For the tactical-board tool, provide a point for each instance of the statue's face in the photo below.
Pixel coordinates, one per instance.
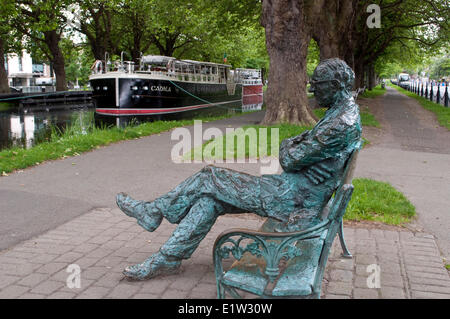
(324, 90)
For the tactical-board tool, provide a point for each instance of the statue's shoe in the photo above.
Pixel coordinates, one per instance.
(147, 218)
(154, 266)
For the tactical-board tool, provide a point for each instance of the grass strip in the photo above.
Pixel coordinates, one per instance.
(378, 201)
(370, 94)
(243, 145)
(442, 112)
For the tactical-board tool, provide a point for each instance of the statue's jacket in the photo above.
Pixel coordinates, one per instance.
(313, 164)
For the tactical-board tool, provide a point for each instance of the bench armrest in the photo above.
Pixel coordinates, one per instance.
(271, 246)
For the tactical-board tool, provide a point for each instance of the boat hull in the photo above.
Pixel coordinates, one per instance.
(141, 96)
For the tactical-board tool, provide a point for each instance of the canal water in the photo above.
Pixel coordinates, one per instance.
(25, 129)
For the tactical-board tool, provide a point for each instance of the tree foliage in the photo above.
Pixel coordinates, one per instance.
(184, 29)
(40, 24)
(411, 32)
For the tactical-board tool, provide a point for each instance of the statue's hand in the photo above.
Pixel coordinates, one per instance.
(297, 139)
(292, 142)
(318, 173)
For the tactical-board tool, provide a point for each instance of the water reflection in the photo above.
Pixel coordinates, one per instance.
(21, 130)
(252, 103)
(122, 121)
(26, 130)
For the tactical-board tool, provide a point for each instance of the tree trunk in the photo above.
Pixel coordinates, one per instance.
(97, 44)
(287, 40)
(372, 77)
(52, 39)
(98, 51)
(327, 41)
(359, 74)
(4, 86)
(333, 22)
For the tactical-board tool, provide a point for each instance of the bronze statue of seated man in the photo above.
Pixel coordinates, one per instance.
(312, 165)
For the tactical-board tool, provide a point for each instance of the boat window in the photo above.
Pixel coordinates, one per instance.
(154, 63)
(177, 67)
(221, 74)
(206, 69)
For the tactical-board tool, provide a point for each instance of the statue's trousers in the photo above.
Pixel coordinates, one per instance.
(196, 203)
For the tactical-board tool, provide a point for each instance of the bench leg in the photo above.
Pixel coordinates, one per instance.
(345, 252)
(220, 291)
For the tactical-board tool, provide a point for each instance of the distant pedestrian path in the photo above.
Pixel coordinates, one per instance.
(408, 126)
(413, 154)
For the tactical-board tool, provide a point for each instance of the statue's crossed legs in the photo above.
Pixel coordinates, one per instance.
(194, 205)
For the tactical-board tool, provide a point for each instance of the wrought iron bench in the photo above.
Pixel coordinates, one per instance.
(274, 264)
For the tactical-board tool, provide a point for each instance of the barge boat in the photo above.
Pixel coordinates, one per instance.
(162, 85)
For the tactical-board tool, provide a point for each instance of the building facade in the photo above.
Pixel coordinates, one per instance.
(24, 72)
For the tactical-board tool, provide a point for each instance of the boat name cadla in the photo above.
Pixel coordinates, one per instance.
(160, 88)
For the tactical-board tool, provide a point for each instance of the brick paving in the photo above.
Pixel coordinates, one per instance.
(104, 241)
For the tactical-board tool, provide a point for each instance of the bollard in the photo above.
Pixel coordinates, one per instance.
(446, 95)
(438, 97)
(431, 92)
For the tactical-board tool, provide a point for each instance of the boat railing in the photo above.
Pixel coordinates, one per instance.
(251, 81)
(197, 72)
(182, 76)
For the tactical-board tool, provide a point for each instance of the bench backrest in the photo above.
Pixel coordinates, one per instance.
(337, 211)
(347, 177)
(349, 169)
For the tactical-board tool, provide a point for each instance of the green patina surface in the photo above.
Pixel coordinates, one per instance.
(314, 165)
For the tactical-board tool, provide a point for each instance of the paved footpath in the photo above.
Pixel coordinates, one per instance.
(63, 212)
(413, 154)
(104, 241)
